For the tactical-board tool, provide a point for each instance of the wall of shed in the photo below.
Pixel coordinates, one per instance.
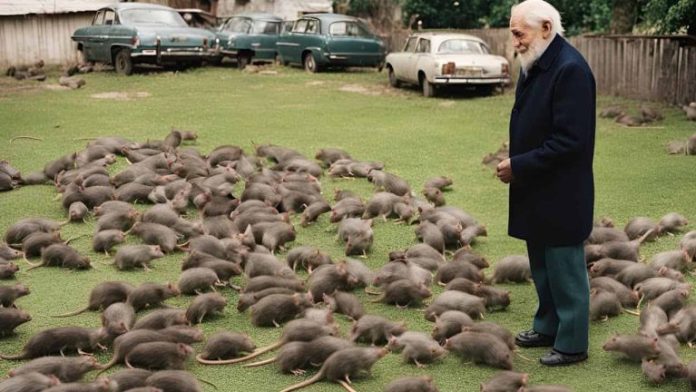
(25, 39)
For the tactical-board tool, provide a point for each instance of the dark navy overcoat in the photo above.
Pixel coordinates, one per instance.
(552, 134)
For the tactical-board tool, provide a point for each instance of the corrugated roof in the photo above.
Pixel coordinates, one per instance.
(24, 7)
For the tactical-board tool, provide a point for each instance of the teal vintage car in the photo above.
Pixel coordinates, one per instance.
(250, 37)
(126, 34)
(330, 40)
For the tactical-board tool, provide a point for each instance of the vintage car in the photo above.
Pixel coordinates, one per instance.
(432, 60)
(126, 34)
(250, 38)
(330, 40)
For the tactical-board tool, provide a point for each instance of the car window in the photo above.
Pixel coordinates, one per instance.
(423, 46)
(300, 26)
(109, 17)
(410, 44)
(138, 16)
(98, 19)
(238, 25)
(266, 27)
(460, 46)
(286, 27)
(485, 49)
(349, 29)
(313, 26)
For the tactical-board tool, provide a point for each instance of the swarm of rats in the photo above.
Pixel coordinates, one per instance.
(233, 233)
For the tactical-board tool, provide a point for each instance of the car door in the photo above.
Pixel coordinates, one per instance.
(289, 43)
(419, 59)
(107, 28)
(92, 39)
(311, 39)
(401, 61)
(266, 34)
(349, 40)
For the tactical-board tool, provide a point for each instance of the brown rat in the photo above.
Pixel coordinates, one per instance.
(404, 293)
(375, 329)
(158, 356)
(162, 318)
(417, 347)
(151, 294)
(226, 345)
(481, 348)
(204, 305)
(60, 340)
(505, 381)
(30, 382)
(66, 369)
(634, 347)
(344, 303)
(103, 295)
(278, 308)
(11, 318)
(8, 270)
(512, 269)
(8, 294)
(105, 240)
(449, 324)
(63, 256)
(196, 280)
(342, 365)
(132, 256)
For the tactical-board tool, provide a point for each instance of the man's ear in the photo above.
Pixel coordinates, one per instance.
(546, 29)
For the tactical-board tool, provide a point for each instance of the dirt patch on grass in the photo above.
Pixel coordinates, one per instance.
(315, 83)
(121, 96)
(372, 91)
(447, 104)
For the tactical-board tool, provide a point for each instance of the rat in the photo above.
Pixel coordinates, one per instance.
(204, 305)
(9, 294)
(342, 365)
(59, 340)
(131, 256)
(481, 348)
(11, 318)
(151, 295)
(158, 355)
(103, 295)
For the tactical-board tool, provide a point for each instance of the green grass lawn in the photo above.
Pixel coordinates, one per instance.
(416, 138)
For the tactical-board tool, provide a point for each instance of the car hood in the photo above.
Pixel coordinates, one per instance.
(481, 60)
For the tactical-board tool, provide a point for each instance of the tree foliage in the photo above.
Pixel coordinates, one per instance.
(618, 16)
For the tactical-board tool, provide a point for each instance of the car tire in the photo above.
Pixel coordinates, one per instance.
(310, 64)
(123, 63)
(243, 59)
(393, 81)
(428, 88)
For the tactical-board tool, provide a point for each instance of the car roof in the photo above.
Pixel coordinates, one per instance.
(128, 6)
(258, 15)
(329, 17)
(442, 36)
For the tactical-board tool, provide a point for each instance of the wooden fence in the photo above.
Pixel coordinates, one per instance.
(654, 68)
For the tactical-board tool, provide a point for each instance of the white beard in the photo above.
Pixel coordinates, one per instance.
(534, 51)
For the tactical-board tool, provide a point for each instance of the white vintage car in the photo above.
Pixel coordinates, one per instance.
(444, 59)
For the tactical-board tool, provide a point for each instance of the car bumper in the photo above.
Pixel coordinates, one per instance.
(464, 80)
(158, 55)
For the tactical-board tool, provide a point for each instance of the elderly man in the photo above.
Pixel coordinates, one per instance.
(552, 132)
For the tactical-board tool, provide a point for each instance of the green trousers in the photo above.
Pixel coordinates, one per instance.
(563, 288)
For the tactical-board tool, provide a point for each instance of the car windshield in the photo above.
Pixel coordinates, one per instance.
(461, 46)
(152, 16)
(266, 27)
(349, 29)
(238, 25)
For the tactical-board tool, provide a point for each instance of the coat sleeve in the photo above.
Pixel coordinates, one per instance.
(573, 116)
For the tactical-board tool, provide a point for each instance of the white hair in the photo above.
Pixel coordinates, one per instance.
(536, 12)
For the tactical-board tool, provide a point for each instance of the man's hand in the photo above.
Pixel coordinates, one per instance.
(504, 171)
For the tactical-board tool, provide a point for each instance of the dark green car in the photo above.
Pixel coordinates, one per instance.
(330, 40)
(250, 38)
(131, 33)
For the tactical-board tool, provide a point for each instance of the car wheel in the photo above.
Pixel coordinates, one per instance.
(123, 63)
(310, 65)
(243, 59)
(428, 88)
(393, 81)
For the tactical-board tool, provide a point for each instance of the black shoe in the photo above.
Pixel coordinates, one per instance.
(533, 338)
(555, 358)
